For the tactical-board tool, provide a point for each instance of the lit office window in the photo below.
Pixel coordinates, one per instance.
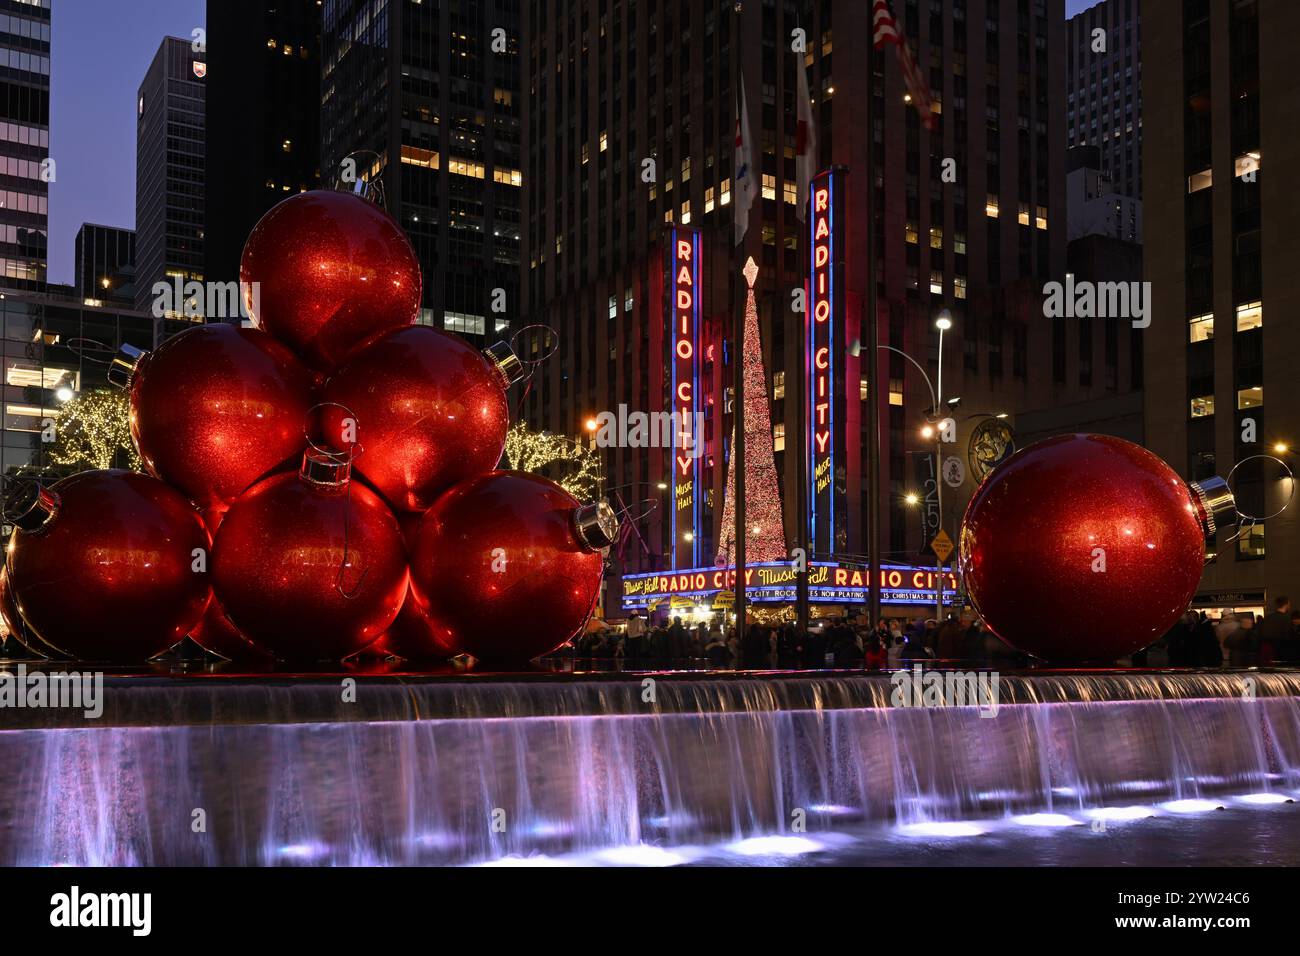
(1200, 328)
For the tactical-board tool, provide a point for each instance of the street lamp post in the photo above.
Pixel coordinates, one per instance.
(943, 323)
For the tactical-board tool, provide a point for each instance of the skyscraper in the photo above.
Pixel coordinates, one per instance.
(169, 174)
(631, 129)
(1222, 344)
(263, 117)
(433, 90)
(1104, 89)
(24, 142)
(104, 259)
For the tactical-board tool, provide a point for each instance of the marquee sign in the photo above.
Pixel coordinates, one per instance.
(774, 582)
(682, 310)
(824, 341)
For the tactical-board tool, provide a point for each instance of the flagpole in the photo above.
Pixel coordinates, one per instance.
(873, 356)
(737, 362)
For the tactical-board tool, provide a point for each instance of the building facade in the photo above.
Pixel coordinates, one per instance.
(1094, 206)
(104, 260)
(25, 172)
(169, 173)
(432, 93)
(263, 118)
(1104, 88)
(55, 347)
(631, 130)
(1221, 348)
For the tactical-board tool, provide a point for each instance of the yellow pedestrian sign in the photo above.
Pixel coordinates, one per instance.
(941, 545)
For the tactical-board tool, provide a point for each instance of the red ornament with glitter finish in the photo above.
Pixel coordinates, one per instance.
(215, 632)
(326, 272)
(428, 409)
(105, 565)
(215, 408)
(412, 635)
(508, 565)
(309, 565)
(1086, 547)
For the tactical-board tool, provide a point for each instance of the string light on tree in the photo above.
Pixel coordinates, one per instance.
(566, 462)
(93, 430)
(766, 539)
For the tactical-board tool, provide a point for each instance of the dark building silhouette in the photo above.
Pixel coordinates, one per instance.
(169, 176)
(263, 117)
(614, 85)
(1220, 206)
(433, 89)
(24, 143)
(104, 259)
(1103, 48)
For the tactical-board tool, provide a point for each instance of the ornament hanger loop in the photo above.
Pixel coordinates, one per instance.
(644, 509)
(552, 341)
(1246, 520)
(92, 350)
(347, 455)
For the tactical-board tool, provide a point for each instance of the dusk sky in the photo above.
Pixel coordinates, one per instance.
(101, 51)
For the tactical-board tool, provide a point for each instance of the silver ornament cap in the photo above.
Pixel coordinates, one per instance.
(596, 525)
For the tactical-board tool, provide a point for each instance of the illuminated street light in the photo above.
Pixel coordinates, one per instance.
(944, 322)
(663, 486)
(689, 536)
(64, 393)
(911, 498)
(1281, 448)
(927, 432)
(591, 424)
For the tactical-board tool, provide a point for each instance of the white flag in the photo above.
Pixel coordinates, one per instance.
(805, 143)
(743, 186)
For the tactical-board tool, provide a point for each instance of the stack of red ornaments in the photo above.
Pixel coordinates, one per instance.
(317, 485)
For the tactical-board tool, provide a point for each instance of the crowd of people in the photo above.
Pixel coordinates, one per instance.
(1235, 640)
(832, 642)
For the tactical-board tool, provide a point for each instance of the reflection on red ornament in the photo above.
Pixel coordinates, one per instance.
(108, 565)
(215, 408)
(310, 565)
(423, 409)
(1084, 548)
(326, 272)
(508, 565)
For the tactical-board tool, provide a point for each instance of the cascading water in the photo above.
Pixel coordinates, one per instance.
(451, 770)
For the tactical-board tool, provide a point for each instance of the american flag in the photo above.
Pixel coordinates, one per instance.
(885, 30)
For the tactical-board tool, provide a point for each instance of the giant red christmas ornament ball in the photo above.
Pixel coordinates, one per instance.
(508, 565)
(1085, 547)
(415, 637)
(429, 410)
(216, 633)
(108, 565)
(215, 408)
(412, 634)
(309, 565)
(332, 271)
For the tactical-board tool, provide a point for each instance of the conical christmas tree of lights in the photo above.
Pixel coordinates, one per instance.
(764, 528)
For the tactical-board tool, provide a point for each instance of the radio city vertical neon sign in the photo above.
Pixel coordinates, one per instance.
(684, 263)
(825, 326)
